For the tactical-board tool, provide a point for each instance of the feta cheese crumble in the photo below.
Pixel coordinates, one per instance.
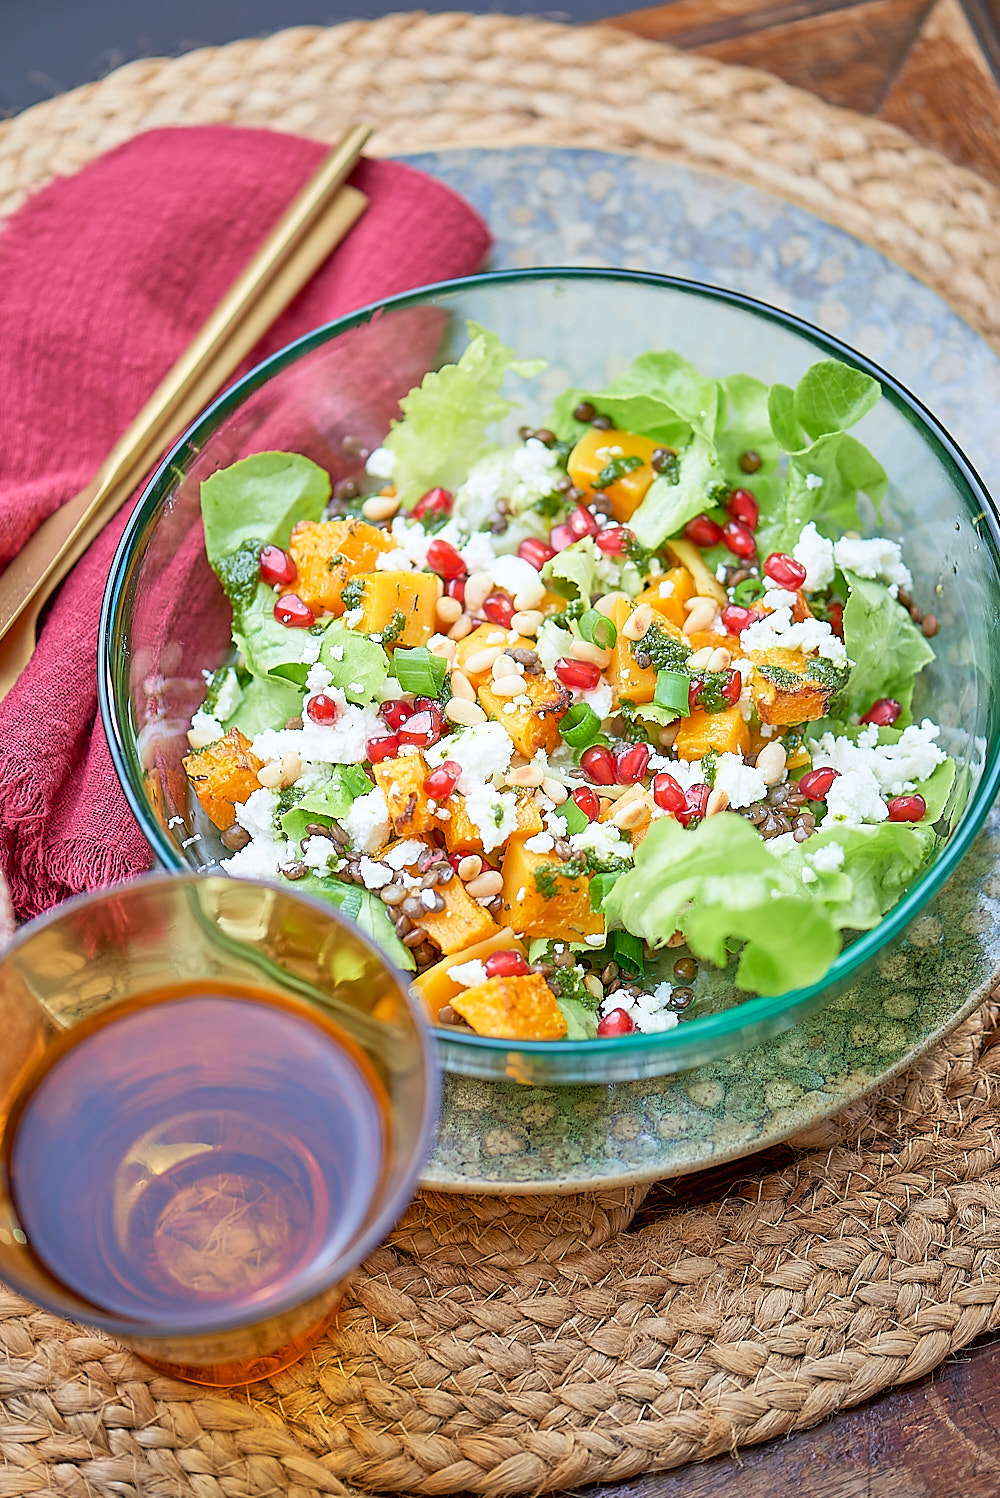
(468, 974)
(815, 553)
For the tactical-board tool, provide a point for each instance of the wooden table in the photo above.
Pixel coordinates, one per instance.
(931, 67)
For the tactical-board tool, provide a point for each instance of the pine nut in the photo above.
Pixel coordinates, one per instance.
(461, 686)
(525, 775)
(700, 659)
(380, 507)
(442, 646)
(486, 886)
(504, 666)
(701, 617)
(721, 659)
(606, 605)
(461, 627)
(269, 775)
(594, 986)
(691, 603)
(507, 686)
(527, 621)
(554, 790)
(633, 814)
(466, 714)
(470, 867)
(482, 660)
(477, 586)
(530, 596)
(771, 762)
(583, 650)
(291, 767)
(637, 624)
(199, 739)
(448, 610)
(717, 801)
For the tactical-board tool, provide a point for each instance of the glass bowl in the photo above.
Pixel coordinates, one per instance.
(165, 619)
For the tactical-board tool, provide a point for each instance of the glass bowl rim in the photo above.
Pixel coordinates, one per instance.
(754, 1010)
(401, 1197)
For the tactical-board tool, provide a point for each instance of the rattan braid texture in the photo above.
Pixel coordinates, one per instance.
(532, 1345)
(455, 79)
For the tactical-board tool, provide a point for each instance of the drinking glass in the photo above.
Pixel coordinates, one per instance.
(215, 1099)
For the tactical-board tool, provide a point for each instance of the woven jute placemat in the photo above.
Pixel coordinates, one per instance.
(534, 1344)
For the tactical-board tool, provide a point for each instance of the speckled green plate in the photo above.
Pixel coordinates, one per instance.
(549, 206)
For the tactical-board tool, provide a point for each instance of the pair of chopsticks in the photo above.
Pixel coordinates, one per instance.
(313, 224)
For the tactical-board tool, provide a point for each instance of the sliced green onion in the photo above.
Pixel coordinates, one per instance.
(601, 886)
(580, 725)
(628, 951)
(598, 629)
(418, 671)
(747, 593)
(575, 819)
(672, 689)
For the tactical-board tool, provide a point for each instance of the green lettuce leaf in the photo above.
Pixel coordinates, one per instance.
(269, 648)
(327, 803)
(660, 396)
(887, 648)
(573, 573)
(581, 1021)
(881, 861)
(359, 666)
(668, 506)
(721, 884)
(445, 418)
(259, 500)
(743, 425)
(843, 467)
(265, 703)
(832, 397)
(365, 909)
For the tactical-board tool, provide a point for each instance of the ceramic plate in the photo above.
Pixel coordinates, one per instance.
(549, 206)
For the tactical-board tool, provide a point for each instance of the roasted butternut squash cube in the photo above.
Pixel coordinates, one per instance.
(223, 774)
(553, 904)
(462, 923)
(512, 1009)
(667, 595)
(435, 989)
(726, 733)
(533, 724)
(402, 784)
(327, 552)
(461, 834)
(600, 455)
(783, 689)
(636, 683)
(400, 606)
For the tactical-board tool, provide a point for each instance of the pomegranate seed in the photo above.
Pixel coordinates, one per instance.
(587, 801)
(441, 782)
(582, 523)
(614, 540)
(322, 709)
(742, 506)
(631, 764)
(455, 588)
(735, 619)
(816, 783)
(276, 567)
(884, 712)
(560, 536)
(695, 803)
(536, 551)
(703, 531)
(505, 964)
(739, 538)
(835, 616)
(434, 502)
(667, 793)
(420, 729)
(598, 763)
(290, 610)
(383, 746)
(732, 686)
(618, 1022)
(581, 674)
(395, 712)
(906, 808)
(498, 608)
(443, 559)
(785, 571)
(428, 705)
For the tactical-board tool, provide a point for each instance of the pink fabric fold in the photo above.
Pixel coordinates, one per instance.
(104, 278)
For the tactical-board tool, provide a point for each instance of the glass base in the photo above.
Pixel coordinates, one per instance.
(251, 1370)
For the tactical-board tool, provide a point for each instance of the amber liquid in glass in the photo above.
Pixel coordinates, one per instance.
(184, 1163)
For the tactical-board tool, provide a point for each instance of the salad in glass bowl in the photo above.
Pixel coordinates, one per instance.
(563, 723)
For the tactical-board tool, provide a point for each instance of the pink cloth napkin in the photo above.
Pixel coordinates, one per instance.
(104, 278)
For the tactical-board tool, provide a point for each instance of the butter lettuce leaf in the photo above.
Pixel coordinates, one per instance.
(721, 885)
(670, 503)
(573, 573)
(359, 666)
(365, 909)
(265, 703)
(446, 418)
(269, 648)
(259, 500)
(881, 861)
(660, 396)
(887, 648)
(832, 397)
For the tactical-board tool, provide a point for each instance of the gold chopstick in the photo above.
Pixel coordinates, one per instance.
(312, 225)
